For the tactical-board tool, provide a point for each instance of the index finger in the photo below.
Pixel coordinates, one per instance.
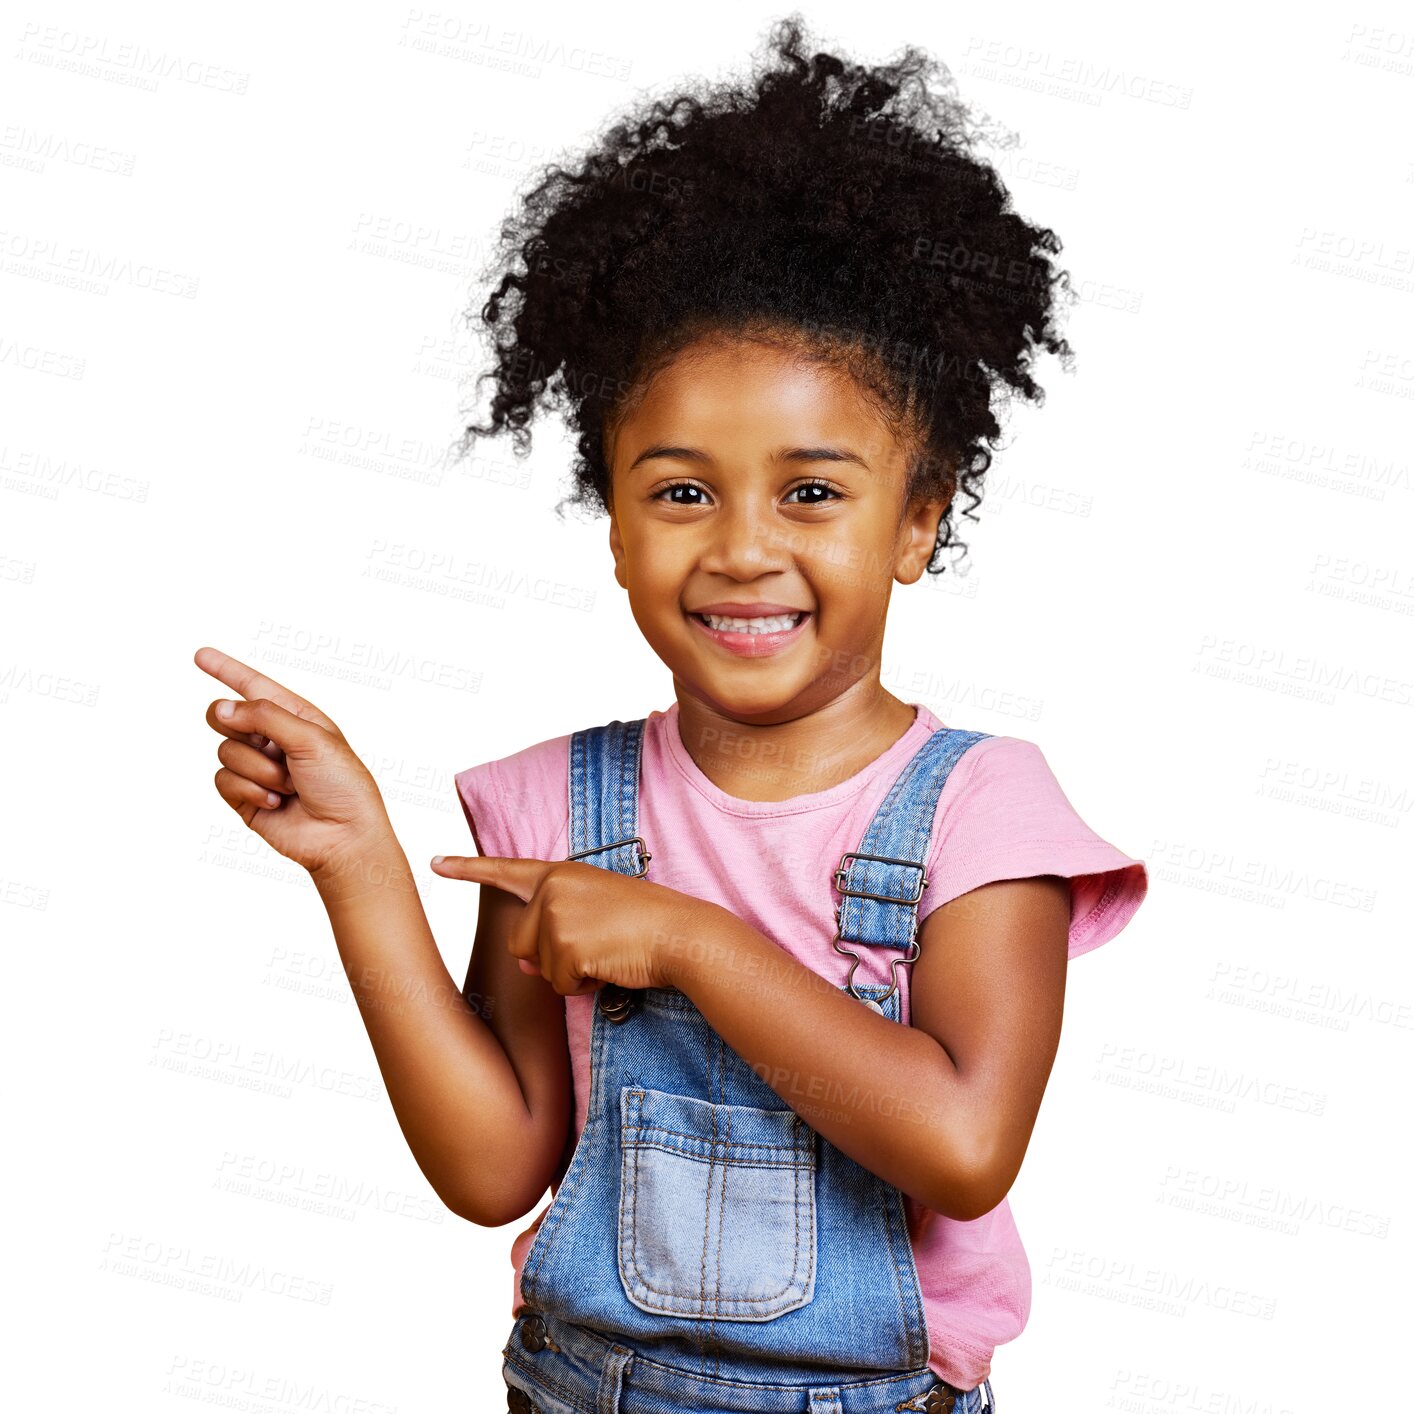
(521, 877)
(252, 685)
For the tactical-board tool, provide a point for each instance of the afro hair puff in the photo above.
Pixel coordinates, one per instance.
(836, 205)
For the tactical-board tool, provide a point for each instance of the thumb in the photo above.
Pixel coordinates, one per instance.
(520, 877)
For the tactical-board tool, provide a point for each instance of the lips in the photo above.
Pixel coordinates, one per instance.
(758, 609)
(750, 645)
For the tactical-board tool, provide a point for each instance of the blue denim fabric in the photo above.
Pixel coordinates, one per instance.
(707, 1249)
(581, 1371)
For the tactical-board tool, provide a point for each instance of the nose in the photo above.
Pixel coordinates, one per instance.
(744, 543)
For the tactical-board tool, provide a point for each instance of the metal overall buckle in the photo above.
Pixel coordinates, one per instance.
(842, 885)
(632, 839)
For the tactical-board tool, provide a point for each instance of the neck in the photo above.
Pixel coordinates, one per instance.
(808, 754)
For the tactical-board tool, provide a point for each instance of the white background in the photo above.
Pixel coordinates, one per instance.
(232, 362)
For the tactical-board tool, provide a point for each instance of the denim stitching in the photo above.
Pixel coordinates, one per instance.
(707, 1199)
(866, 1384)
(549, 1224)
(629, 744)
(801, 1172)
(586, 754)
(721, 1217)
(884, 1209)
(716, 1086)
(901, 1255)
(915, 1329)
(800, 1147)
(535, 1377)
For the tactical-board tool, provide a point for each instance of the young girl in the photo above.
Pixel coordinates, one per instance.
(766, 986)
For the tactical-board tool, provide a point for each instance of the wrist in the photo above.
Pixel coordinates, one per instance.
(376, 865)
(710, 941)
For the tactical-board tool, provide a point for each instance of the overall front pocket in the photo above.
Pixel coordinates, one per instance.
(716, 1207)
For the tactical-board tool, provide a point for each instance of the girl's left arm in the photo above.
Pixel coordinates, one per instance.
(942, 1109)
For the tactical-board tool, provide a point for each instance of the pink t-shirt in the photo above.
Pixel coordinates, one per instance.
(1001, 815)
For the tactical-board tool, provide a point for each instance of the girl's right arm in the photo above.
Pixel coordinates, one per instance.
(479, 1080)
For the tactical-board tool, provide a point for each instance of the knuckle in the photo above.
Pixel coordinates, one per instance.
(560, 882)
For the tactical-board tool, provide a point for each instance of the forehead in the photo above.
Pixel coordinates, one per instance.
(740, 390)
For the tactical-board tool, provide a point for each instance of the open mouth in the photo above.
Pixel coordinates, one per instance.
(752, 637)
(768, 623)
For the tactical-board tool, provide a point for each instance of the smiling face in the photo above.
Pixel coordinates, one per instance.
(749, 483)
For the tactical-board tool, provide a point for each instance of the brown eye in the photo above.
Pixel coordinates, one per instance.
(829, 491)
(665, 492)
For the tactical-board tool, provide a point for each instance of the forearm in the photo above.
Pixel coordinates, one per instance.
(887, 1095)
(452, 1087)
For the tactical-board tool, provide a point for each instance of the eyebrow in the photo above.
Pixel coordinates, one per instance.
(791, 454)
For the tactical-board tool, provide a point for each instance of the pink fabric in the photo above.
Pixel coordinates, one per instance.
(1001, 815)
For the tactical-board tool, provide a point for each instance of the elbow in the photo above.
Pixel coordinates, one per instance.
(480, 1216)
(462, 1205)
(982, 1195)
(971, 1184)
(490, 1189)
(487, 1209)
(470, 1214)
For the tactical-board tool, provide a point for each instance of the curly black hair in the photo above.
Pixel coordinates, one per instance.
(831, 205)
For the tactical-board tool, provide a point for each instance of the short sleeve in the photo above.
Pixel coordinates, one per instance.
(518, 806)
(1003, 815)
(476, 791)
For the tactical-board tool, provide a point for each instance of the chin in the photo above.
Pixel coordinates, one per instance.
(763, 702)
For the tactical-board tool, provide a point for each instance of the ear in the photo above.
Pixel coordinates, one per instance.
(616, 546)
(616, 540)
(918, 537)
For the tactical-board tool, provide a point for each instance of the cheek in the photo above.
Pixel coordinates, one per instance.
(852, 577)
(654, 563)
(655, 577)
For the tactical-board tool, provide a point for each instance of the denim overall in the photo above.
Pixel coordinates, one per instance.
(707, 1250)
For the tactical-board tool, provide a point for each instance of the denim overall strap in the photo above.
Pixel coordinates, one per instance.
(882, 881)
(603, 788)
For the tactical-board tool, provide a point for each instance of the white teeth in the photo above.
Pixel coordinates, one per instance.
(776, 623)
